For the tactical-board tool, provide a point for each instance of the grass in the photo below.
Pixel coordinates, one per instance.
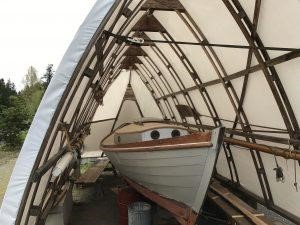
(7, 163)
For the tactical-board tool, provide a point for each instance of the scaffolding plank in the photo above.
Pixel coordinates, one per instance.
(234, 215)
(92, 174)
(250, 213)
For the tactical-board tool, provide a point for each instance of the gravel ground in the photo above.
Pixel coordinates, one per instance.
(7, 163)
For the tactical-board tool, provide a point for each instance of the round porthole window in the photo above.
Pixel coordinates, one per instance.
(175, 133)
(155, 134)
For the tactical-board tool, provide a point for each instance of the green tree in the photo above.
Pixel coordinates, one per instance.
(32, 92)
(14, 118)
(46, 78)
(18, 109)
(31, 77)
(32, 97)
(6, 90)
(13, 121)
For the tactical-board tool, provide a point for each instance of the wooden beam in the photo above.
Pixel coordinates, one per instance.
(134, 51)
(148, 23)
(35, 210)
(129, 61)
(45, 167)
(262, 137)
(235, 217)
(127, 12)
(163, 5)
(92, 174)
(88, 72)
(249, 60)
(295, 133)
(184, 214)
(285, 153)
(277, 94)
(278, 60)
(247, 211)
(249, 195)
(45, 148)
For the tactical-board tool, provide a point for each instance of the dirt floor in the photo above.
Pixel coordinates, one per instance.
(101, 210)
(7, 163)
(104, 210)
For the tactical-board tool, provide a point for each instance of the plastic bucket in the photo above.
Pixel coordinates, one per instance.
(139, 213)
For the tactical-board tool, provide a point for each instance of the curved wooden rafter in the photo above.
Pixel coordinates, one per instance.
(51, 130)
(143, 26)
(148, 82)
(149, 88)
(227, 85)
(278, 96)
(192, 73)
(156, 27)
(281, 91)
(135, 52)
(155, 83)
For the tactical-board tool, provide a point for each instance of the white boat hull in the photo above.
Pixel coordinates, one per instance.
(182, 175)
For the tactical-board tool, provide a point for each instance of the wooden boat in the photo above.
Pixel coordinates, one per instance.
(169, 164)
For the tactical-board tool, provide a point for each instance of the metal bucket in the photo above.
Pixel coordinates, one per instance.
(139, 213)
(126, 196)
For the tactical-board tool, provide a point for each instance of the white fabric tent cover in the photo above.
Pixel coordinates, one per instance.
(46, 110)
(69, 92)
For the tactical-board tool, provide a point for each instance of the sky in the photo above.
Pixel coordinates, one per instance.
(37, 33)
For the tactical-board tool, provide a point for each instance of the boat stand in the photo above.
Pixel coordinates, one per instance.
(183, 214)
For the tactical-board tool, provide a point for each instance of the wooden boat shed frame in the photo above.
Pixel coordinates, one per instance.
(111, 50)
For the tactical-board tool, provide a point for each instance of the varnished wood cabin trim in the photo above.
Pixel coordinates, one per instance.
(151, 128)
(196, 140)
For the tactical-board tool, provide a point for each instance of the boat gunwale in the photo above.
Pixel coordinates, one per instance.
(167, 144)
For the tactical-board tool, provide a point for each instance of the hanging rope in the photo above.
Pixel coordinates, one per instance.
(140, 41)
(295, 165)
(295, 183)
(295, 171)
